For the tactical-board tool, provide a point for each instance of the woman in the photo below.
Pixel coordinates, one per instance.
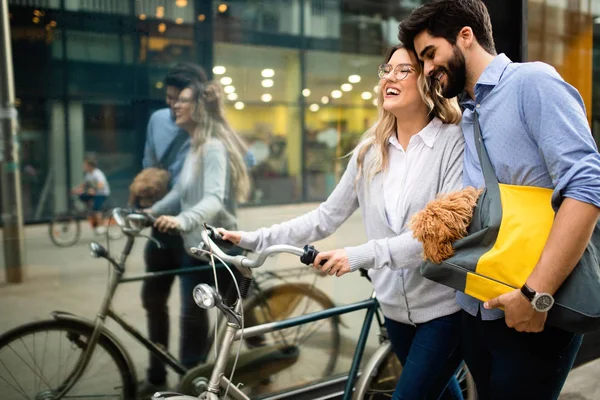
(212, 179)
(412, 153)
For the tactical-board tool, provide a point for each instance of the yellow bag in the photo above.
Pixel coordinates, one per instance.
(507, 234)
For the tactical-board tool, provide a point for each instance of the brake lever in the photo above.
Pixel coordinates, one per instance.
(153, 240)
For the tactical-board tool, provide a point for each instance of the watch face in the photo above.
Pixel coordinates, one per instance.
(543, 302)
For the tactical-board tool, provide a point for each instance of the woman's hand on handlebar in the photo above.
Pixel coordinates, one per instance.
(167, 223)
(336, 262)
(233, 236)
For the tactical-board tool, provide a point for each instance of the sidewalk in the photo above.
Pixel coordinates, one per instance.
(69, 279)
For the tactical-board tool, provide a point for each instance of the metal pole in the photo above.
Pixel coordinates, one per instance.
(12, 214)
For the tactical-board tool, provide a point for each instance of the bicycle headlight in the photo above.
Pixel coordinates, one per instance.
(205, 296)
(97, 251)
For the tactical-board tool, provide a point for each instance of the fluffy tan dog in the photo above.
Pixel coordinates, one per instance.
(149, 186)
(443, 221)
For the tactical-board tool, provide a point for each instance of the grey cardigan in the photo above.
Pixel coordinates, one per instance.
(202, 193)
(392, 258)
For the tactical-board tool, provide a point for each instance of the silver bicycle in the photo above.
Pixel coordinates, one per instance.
(376, 381)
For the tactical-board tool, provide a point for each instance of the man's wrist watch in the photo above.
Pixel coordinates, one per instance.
(541, 302)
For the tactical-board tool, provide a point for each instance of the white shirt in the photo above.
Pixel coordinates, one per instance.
(94, 179)
(404, 169)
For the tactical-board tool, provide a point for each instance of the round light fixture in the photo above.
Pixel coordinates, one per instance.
(336, 94)
(179, 21)
(375, 102)
(239, 105)
(314, 107)
(324, 99)
(159, 85)
(232, 96)
(354, 78)
(306, 92)
(366, 95)
(267, 73)
(226, 80)
(267, 83)
(346, 87)
(266, 97)
(229, 89)
(219, 70)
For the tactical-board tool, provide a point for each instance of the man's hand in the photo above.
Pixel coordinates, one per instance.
(233, 236)
(166, 223)
(518, 312)
(337, 262)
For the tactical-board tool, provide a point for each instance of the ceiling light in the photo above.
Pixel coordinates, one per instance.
(267, 73)
(181, 3)
(201, 17)
(142, 16)
(266, 97)
(376, 88)
(225, 80)
(239, 105)
(179, 21)
(219, 70)
(162, 27)
(336, 94)
(375, 102)
(232, 96)
(346, 87)
(159, 85)
(267, 83)
(314, 107)
(229, 89)
(354, 78)
(306, 92)
(222, 8)
(366, 95)
(160, 12)
(324, 99)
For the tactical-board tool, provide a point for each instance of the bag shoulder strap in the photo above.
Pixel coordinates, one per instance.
(489, 175)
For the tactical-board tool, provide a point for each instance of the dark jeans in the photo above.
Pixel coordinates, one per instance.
(507, 364)
(430, 355)
(195, 337)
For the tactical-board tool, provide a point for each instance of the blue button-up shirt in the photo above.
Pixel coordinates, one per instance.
(535, 130)
(166, 144)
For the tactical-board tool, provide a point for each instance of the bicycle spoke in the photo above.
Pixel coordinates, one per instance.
(44, 356)
(25, 362)
(23, 392)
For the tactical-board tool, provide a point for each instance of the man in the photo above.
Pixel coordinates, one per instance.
(536, 133)
(166, 147)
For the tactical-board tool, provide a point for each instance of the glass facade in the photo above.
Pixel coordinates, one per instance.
(299, 77)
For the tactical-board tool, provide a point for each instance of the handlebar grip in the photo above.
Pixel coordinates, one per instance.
(310, 253)
(218, 239)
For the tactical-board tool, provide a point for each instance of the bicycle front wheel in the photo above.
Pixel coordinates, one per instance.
(378, 382)
(64, 230)
(318, 342)
(38, 359)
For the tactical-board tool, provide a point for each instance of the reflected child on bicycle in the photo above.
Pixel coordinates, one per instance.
(93, 192)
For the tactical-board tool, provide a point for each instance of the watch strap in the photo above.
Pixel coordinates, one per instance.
(528, 292)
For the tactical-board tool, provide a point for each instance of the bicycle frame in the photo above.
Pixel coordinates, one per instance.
(219, 381)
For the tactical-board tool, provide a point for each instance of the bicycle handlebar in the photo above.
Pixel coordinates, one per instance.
(210, 236)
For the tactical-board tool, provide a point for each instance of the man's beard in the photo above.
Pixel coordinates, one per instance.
(456, 75)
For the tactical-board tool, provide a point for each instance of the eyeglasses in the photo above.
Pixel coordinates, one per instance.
(401, 71)
(183, 100)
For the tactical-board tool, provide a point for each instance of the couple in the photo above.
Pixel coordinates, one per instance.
(536, 133)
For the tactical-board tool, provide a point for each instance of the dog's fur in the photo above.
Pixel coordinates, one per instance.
(443, 221)
(149, 186)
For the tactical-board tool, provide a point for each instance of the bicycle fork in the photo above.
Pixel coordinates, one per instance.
(87, 353)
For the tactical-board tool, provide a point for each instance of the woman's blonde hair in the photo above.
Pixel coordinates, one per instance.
(207, 111)
(378, 136)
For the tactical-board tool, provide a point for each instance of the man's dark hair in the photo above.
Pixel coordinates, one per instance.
(184, 74)
(445, 19)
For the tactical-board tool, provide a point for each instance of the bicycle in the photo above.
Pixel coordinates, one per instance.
(96, 364)
(65, 228)
(376, 381)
